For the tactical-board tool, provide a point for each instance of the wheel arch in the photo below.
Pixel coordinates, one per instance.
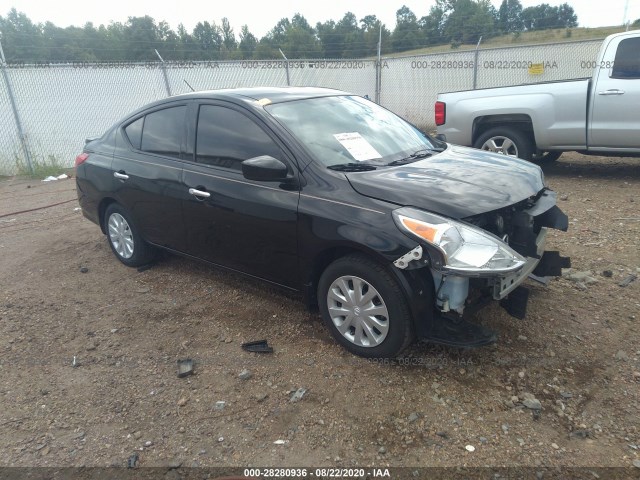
(521, 121)
(417, 285)
(102, 208)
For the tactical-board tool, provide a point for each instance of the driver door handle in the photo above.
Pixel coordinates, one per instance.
(613, 91)
(199, 193)
(121, 175)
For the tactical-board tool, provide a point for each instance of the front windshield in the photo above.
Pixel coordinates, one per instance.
(350, 129)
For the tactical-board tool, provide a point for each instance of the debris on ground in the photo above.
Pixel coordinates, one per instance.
(260, 346)
(298, 395)
(185, 367)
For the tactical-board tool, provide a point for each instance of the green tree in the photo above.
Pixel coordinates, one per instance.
(468, 20)
(371, 33)
(22, 40)
(407, 34)
(248, 42)
(229, 42)
(432, 26)
(544, 16)
(510, 16)
(208, 38)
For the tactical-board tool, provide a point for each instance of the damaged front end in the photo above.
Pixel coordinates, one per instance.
(480, 259)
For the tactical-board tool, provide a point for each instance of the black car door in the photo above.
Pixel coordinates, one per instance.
(245, 225)
(148, 174)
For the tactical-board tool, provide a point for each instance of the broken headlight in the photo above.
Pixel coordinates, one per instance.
(465, 249)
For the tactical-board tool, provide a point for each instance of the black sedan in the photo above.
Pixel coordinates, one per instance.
(392, 234)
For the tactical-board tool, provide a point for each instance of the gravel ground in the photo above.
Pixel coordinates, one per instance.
(561, 388)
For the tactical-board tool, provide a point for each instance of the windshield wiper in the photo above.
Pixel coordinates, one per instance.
(352, 167)
(424, 153)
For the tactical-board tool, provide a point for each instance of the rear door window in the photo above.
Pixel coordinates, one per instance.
(163, 131)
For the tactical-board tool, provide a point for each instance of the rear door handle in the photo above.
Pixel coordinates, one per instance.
(121, 175)
(199, 193)
(613, 91)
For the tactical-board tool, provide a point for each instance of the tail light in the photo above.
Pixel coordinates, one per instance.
(441, 113)
(81, 158)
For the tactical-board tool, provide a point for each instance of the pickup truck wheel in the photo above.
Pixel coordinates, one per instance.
(546, 157)
(506, 141)
(364, 307)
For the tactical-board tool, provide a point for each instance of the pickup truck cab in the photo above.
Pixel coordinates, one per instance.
(597, 115)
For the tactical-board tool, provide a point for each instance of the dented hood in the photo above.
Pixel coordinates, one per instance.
(458, 182)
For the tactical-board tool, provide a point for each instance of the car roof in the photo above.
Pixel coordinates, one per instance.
(273, 94)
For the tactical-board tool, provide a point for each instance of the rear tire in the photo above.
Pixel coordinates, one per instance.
(364, 307)
(124, 237)
(506, 141)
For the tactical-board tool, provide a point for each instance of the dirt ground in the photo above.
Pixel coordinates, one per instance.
(577, 353)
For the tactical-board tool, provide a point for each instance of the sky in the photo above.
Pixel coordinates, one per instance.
(262, 15)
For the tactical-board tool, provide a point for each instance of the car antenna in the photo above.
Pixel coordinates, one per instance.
(188, 85)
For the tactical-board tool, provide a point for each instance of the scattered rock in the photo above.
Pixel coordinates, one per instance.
(413, 417)
(607, 273)
(630, 278)
(114, 330)
(148, 443)
(84, 270)
(219, 405)
(143, 290)
(298, 395)
(483, 440)
(175, 463)
(470, 448)
(636, 463)
(261, 397)
(564, 198)
(521, 374)
(505, 428)
(580, 434)
(182, 402)
(245, 374)
(522, 338)
(584, 278)
(382, 450)
(555, 446)
(622, 355)
(137, 435)
(530, 401)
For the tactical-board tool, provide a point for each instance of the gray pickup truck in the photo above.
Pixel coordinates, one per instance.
(597, 115)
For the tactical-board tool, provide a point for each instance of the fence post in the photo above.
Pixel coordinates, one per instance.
(475, 64)
(164, 74)
(379, 66)
(286, 66)
(14, 108)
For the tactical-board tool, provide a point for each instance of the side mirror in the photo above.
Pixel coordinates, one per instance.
(442, 137)
(264, 168)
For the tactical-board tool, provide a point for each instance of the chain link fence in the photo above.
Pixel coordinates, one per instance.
(58, 106)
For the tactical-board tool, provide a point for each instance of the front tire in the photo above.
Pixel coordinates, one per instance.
(364, 307)
(124, 237)
(506, 141)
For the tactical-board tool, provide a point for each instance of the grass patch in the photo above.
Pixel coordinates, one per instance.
(557, 35)
(40, 167)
